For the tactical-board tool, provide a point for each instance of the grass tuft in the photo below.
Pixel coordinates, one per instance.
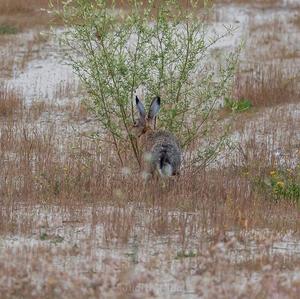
(7, 29)
(10, 103)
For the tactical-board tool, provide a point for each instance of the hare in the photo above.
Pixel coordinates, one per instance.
(160, 150)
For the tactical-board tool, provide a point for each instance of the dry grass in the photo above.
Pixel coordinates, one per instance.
(267, 86)
(74, 224)
(26, 14)
(273, 28)
(67, 195)
(269, 41)
(260, 3)
(41, 165)
(10, 103)
(17, 52)
(6, 65)
(51, 167)
(9, 7)
(296, 20)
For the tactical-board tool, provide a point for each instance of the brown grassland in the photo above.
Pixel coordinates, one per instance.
(74, 224)
(26, 14)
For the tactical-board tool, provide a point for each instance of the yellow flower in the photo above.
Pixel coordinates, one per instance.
(273, 172)
(280, 184)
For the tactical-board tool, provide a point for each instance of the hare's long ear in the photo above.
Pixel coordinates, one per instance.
(140, 108)
(154, 108)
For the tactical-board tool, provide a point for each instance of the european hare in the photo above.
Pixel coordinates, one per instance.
(160, 150)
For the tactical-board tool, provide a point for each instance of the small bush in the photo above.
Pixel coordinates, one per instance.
(156, 47)
(7, 29)
(240, 105)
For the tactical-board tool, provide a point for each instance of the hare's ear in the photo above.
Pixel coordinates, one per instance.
(140, 108)
(154, 108)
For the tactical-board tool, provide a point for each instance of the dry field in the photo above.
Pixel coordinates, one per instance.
(74, 224)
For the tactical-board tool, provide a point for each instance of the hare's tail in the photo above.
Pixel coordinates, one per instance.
(165, 167)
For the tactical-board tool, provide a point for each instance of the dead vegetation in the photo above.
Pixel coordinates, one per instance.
(296, 20)
(75, 224)
(26, 14)
(267, 85)
(11, 7)
(10, 103)
(67, 193)
(17, 52)
(255, 3)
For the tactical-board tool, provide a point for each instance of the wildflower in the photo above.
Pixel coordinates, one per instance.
(273, 173)
(280, 184)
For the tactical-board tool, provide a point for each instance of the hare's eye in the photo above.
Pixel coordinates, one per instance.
(135, 123)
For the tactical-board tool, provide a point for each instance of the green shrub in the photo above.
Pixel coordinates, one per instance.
(161, 48)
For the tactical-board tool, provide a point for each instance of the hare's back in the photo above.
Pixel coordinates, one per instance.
(163, 137)
(165, 144)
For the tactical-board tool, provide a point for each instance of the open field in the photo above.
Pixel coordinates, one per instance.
(76, 224)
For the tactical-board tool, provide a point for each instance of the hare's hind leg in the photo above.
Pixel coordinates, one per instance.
(147, 173)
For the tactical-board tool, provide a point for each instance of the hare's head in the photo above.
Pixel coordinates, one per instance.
(145, 122)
